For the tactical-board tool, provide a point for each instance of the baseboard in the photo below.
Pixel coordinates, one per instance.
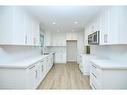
(59, 63)
(71, 61)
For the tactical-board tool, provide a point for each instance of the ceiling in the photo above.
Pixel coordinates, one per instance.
(64, 18)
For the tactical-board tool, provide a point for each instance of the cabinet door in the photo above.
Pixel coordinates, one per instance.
(36, 32)
(104, 26)
(48, 39)
(19, 27)
(42, 69)
(74, 36)
(86, 35)
(38, 73)
(123, 25)
(31, 78)
(28, 30)
(114, 26)
(6, 25)
(68, 36)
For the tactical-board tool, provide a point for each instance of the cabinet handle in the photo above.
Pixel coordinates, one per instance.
(34, 40)
(94, 75)
(42, 61)
(42, 68)
(94, 66)
(93, 86)
(32, 67)
(25, 39)
(36, 74)
(105, 38)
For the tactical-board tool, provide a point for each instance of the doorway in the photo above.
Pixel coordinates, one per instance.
(71, 51)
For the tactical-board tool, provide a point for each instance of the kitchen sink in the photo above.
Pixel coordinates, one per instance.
(46, 53)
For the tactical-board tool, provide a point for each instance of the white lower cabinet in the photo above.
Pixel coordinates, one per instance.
(25, 78)
(109, 78)
(31, 77)
(84, 63)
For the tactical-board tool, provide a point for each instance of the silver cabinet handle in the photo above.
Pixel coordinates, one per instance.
(105, 38)
(25, 39)
(36, 74)
(42, 61)
(93, 86)
(32, 67)
(94, 75)
(42, 68)
(94, 66)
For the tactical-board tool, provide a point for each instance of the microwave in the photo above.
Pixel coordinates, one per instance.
(93, 39)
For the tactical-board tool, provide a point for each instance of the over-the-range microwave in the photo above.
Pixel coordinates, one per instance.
(93, 39)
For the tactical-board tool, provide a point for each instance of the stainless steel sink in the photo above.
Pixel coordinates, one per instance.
(45, 53)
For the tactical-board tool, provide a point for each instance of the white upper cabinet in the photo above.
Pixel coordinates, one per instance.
(6, 25)
(55, 39)
(71, 36)
(112, 25)
(58, 39)
(17, 27)
(36, 33)
(48, 39)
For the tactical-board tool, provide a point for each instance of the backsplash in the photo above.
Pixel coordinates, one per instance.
(114, 52)
(13, 53)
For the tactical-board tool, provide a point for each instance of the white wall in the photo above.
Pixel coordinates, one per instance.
(15, 53)
(115, 52)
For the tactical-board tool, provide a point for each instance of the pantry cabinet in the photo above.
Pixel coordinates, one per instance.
(18, 27)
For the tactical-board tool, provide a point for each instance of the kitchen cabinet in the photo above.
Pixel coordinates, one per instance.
(38, 73)
(32, 76)
(48, 39)
(112, 26)
(107, 75)
(86, 36)
(109, 27)
(58, 39)
(36, 32)
(25, 77)
(84, 63)
(28, 30)
(55, 39)
(18, 27)
(71, 36)
(42, 68)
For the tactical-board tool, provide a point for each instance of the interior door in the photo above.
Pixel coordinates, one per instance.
(71, 50)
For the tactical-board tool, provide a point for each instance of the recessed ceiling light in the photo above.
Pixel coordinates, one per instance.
(75, 22)
(54, 23)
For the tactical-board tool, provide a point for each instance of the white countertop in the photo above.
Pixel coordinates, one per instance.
(25, 63)
(108, 64)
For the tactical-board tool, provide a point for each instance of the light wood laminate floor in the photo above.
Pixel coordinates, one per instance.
(65, 76)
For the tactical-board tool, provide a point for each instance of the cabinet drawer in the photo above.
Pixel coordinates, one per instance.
(95, 82)
(95, 70)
